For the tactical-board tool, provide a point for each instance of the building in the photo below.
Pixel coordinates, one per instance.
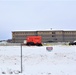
(47, 35)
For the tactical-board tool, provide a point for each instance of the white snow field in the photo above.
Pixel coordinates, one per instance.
(37, 60)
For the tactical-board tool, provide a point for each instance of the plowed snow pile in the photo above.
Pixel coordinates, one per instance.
(37, 60)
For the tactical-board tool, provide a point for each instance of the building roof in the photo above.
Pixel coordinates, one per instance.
(40, 30)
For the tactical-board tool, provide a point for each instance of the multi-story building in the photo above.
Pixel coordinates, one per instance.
(47, 36)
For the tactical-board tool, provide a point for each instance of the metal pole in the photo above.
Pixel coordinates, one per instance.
(21, 59)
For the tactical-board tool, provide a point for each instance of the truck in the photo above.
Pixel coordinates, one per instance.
(34, 41)
(72, 43)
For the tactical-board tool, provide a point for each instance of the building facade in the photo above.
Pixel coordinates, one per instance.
(47, 36)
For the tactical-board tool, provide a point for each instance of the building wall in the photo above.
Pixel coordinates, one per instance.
(70, 35)
(47, 36)
(19, 37)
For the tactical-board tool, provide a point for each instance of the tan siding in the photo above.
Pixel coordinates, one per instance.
(56, 36)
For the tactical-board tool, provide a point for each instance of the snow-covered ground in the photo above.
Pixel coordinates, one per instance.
(37, 60)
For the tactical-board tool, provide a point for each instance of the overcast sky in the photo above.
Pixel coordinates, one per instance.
(36, 15)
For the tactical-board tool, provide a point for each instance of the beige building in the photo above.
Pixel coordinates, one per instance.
(47, 36)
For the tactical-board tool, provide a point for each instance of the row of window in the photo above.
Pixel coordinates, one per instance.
(34, 33)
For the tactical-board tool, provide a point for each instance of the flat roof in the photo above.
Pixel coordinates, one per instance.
(39, 30)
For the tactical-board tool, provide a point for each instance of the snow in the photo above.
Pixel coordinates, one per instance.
(38, 60)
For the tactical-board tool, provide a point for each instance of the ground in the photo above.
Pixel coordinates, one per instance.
(61, 60)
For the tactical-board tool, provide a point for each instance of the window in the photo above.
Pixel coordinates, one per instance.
(53, 35)
(53, 32)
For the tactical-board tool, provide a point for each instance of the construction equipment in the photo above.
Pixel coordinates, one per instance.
(34, 40)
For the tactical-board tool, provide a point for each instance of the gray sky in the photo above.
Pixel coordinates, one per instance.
(36, 15)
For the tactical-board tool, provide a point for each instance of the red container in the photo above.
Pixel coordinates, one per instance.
(34, 39)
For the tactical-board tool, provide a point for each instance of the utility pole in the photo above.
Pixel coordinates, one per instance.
(21, 60)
